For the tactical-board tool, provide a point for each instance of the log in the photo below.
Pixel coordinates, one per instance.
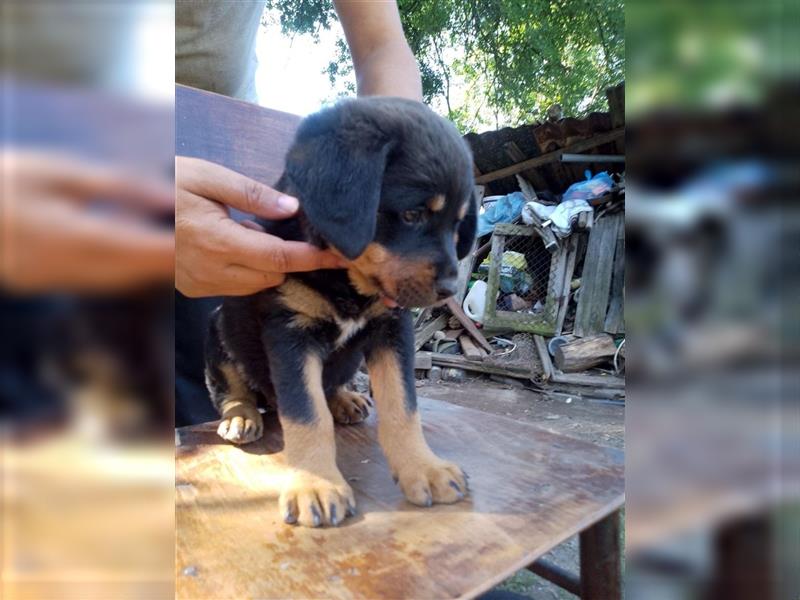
(584, 353)
(469, 349)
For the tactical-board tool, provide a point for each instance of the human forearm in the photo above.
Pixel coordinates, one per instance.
(390, 70)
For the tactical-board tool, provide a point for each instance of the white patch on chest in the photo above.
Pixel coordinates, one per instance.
(347, 329)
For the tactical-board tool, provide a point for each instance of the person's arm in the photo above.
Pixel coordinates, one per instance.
(383, 61)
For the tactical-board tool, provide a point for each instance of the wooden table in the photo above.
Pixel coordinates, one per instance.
(531, 490)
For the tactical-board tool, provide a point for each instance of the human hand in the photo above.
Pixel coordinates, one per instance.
(56, 240)
(216, 256)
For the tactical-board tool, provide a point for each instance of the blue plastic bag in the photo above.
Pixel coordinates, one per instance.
(504, 210)
(591, 187)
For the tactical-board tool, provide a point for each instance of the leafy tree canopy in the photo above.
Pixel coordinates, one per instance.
(490, 63)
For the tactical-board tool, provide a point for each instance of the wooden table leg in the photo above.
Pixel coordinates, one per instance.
(601, 567)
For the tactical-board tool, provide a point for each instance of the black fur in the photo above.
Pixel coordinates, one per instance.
(356, 168)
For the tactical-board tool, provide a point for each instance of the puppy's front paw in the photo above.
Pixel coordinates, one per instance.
(314, 501)
(241, 425)
(432, 480)
(349, 407)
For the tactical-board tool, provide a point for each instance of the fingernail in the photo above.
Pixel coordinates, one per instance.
(287, 204)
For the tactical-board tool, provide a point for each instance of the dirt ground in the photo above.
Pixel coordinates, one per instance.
(594, 420)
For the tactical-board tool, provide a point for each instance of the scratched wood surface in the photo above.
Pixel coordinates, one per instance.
(241, 136)
(531, 490)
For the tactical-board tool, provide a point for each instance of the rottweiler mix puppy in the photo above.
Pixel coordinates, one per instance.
(387, 184)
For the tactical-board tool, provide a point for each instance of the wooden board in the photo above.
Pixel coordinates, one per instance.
(427, 331)
(244, 137)
(551, 157)
(531, 490)
(615, 317)
(469, 349)
(596, 279)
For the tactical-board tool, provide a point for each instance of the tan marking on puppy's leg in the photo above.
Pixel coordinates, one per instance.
(241, 421)
(348, 407)
(424, 478)
(436, 203)
(316, 493)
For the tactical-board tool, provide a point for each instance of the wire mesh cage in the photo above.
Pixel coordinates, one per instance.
(527, 280)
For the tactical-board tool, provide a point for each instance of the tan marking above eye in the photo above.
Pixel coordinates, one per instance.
(462, 212)
(436, 203)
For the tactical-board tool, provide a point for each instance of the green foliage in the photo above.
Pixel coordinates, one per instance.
(490, 63)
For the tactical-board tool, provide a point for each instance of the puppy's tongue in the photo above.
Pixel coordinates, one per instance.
(389, 302)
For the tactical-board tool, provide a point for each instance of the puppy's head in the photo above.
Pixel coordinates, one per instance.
(388, 184)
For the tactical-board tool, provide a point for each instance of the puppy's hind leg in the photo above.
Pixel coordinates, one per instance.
(236, 403)
(348, 407)
(231, 396)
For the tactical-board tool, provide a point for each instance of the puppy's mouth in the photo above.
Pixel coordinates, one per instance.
(388, 300)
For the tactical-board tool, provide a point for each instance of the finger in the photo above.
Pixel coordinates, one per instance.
(268, 253)
(234, 189)
(252, 225)
(238, 280)
(80, 180)
(69, 250)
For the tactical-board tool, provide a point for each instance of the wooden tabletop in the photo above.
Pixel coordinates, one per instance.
(531, 490)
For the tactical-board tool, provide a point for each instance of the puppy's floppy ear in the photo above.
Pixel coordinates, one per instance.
(336, 166)
(467, 228)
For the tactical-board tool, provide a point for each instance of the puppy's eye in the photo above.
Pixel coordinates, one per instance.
(411, 216)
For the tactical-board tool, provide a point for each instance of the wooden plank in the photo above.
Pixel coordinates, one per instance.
(615, 317)
(498, 242)
(472, 330)
(531, 489)
(544, 357)
(422, 316)
(604, 381)
(470, 350)
(582, 146)
(427, 331)
(596, 278)
(513, 229)
(569, 271)
(490, 368)
(453, 334)
(244, 137)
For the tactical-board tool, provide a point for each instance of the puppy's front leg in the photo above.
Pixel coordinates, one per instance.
(315, 493)
(423, 477)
